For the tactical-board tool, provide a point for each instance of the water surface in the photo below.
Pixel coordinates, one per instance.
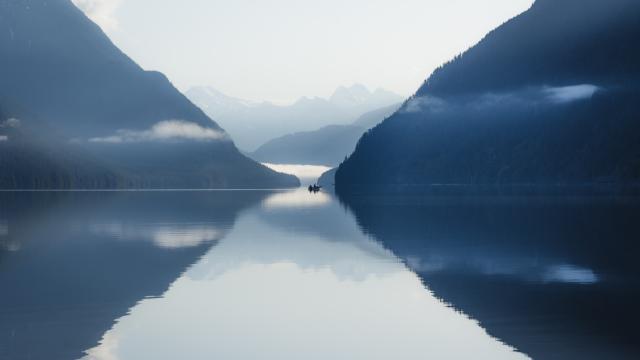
(293, 275)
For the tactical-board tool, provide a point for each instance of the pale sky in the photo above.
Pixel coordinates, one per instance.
(279, 50)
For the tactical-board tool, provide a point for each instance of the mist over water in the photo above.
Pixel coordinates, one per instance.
(307, 174)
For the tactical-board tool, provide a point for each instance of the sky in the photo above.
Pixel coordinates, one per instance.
(280, 50)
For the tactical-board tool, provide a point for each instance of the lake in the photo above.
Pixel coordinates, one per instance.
(294, 275)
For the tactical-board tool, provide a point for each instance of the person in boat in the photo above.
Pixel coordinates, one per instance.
(314, 188)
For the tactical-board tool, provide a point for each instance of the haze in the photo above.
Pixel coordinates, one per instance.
(279, 50)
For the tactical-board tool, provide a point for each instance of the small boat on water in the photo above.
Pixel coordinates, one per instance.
(314, 188)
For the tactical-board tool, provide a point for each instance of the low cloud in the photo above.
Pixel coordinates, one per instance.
(572, 93)
(493, 100)
(424, 103)
(164, 131)
(102, 12)
(541, 95)
(4, 138)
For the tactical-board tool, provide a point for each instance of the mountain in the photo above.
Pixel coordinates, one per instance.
(375, 117)
(31, 160)
(550, 97)
(217, 104)
(328, 145)
(357, 98)
(81, 103)
(252, 124)
(328, 178)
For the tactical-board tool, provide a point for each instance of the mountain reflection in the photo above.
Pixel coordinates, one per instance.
(272, 290)
(291, 275)
(169, 236)
(72, 263)
(555, 277)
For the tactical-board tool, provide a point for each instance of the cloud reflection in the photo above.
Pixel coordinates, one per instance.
(169, 236)
(533, 270)
(570, 274)
(6, 242)
(268, 292)
(282, 311)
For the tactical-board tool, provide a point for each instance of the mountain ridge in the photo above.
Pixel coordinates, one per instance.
(64, 79)
(253, 125)
(326, 146)
(540, 100)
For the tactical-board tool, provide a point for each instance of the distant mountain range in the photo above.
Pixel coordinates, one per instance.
(77, 112)
(252, 124)
(551, 97)
(327, 146)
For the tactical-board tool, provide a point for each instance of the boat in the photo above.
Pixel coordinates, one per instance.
(314, 188)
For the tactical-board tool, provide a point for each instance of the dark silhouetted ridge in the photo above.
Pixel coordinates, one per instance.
(549, 98)
(76, 92)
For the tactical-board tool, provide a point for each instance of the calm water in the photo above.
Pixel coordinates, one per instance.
(293, 275)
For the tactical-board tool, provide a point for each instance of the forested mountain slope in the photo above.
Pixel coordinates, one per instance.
(65, 81)
(550, 97)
